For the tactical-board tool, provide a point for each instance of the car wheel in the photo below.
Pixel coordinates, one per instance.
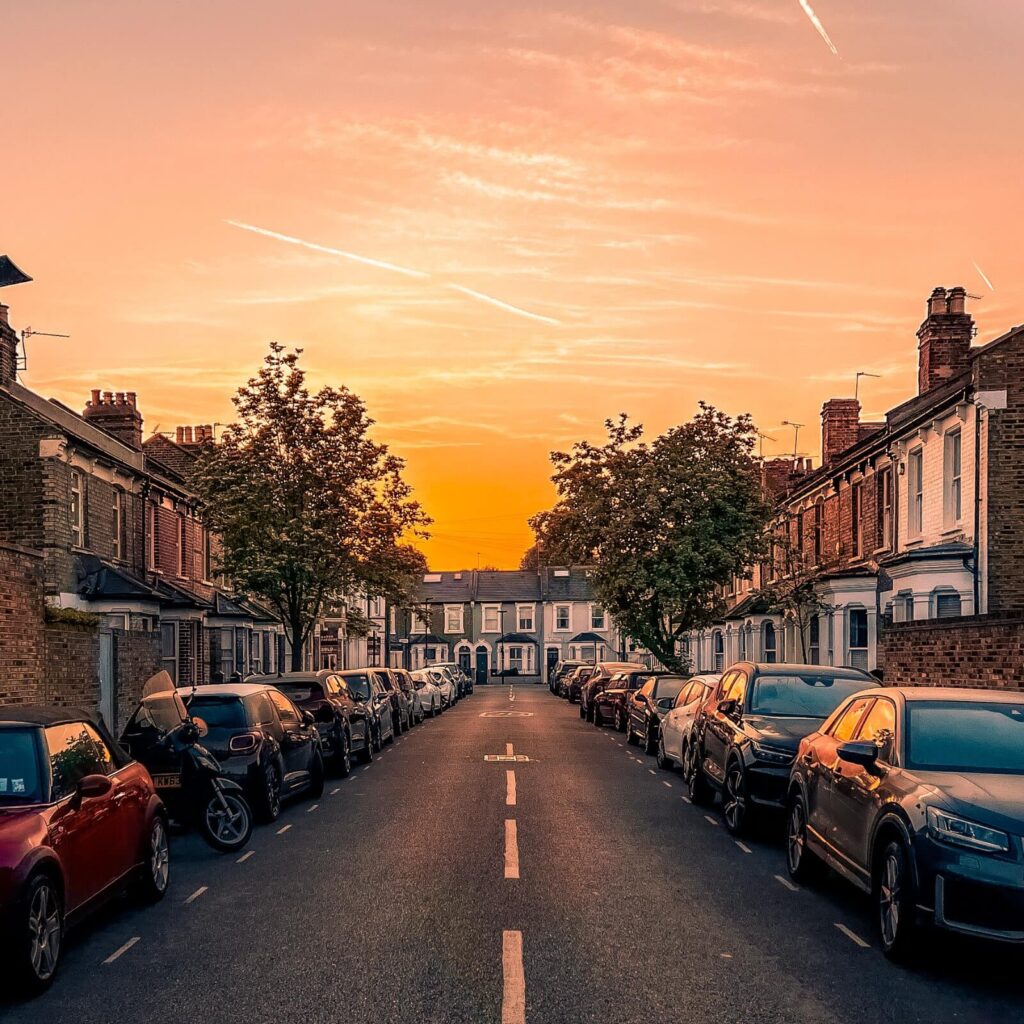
(800, 862)
(895, 901)
(583, 710)
(663, 759)
(697, 785)
(343, 759)
(734, 799)
(650, 739)
(629, 730)
(378, 741)
(227, 821)
(270, 797)
(40, 934)
(316, 776)
(597, 716)
(620, 721)
(366, 754)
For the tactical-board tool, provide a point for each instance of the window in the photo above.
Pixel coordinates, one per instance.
(718, 650)
(743, 643)
(182, 546)
(515, 659)
(267, 667)
(769, 644)
(75, 750)
(524, 617)
(846, 727)
(904, 608)
(737, 688)
(818, 505)
(915, 492)
(597, 617)
(453, 618)
(207, 555)
(953, 489)
(947, 606)
(884, 485)
(151, 536)
(77, 509)
(880, 728)
(169, 648)
(799, 538)
(117, 521)
(227, 654)
(491, 618)
(285, 709)
(856, 515)
(562, 617)
(858, 638)
(814, 640)
(241, 650)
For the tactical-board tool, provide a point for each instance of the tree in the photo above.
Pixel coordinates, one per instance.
(308, 507)
(532, 558)
(665, 524)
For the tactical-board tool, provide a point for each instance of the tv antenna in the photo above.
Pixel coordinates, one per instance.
(796, 433)
(856, 382)
(27, 333)
(761, 438)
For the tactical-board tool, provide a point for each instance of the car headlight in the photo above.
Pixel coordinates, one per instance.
(953, 829)
(773, 755)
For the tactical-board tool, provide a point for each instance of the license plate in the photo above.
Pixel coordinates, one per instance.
(167, 781)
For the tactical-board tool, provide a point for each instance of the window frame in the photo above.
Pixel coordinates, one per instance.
(449, 609)
(567, 628)
(952, 477)
(520, 608)
(76, 507)
(857, 610)
(915, 492)
(593, 618)
(884, 493)
(857, 518)
(117, 521)
(490, 608)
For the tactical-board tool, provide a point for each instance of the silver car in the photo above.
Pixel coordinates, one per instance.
(429, 692)
(677, 725)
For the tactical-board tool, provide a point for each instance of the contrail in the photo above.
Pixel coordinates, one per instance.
(984, 276)
(490, 300)
(816, 22)
(383, 265)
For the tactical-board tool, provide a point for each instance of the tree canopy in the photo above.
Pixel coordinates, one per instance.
(665, 523)
(309, 508)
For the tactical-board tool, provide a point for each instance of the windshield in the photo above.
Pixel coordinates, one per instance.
(962, 736)
(300, 691)
(668, 688)
(803, 696)
(219, 712)
(21, 781)
(358, 685)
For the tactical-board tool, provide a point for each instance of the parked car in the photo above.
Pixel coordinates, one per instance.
(646, 707)
(262, 741)
(557, 675)
(574, 682)
(677, 725)
(368, 692)
(916, 796)
(443, 682)
(401, 705)
(79, 822)
(405, 682)
(747, 733)
(610, 702)
(429, 693)
(463, 681)
(343, 722)
(598, 680)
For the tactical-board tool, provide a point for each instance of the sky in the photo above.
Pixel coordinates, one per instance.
(522, 218)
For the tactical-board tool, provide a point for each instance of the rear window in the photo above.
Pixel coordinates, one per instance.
(965, 736)
(301, 691)
(803, 695)
(21, 781)
(220, 712)
(668, 687)
(358, 684)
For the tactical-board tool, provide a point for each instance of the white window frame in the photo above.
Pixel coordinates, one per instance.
(915, 493)
(850, 649)
(182, 544)
(151, 536)
(567, 628)
(952, 477)
(594, 608)
(458, 610)
(77, 508)
(947, 592)
(532, 611)
(169, 662)
(117, 515)
(884, 498)
(484, 612)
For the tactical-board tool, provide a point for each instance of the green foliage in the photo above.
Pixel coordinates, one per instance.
(666, 524)
(72, 617)
(308, 506)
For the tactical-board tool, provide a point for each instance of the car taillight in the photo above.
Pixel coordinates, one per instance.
(244, 743)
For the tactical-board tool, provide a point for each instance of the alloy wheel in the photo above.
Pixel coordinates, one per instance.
(889, 894)
(734, 803)
(159, 856)
(273, 787)
(796, 838)
(227, 819)
(44, 929)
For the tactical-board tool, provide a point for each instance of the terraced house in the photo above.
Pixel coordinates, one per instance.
(517, 622)
(910, 534)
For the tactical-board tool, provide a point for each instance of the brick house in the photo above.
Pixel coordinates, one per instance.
(912, 528)
(516, 620)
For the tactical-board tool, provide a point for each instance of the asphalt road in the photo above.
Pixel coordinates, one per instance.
(389, 900)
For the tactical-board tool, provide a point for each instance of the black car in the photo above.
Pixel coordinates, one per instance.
(342, 720)
(262, 741)
(646, 707)
(746, 735)
(558, 675)
(916, 796)
(366, 689)
(407, 685)
(610, 702)
(401, 703)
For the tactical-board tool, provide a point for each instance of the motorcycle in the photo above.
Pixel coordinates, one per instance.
(163, 737)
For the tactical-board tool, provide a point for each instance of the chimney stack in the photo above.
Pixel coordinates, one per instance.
(840, 422)
(117, 415)
(179, 435)
(8, 350)
(944, 339)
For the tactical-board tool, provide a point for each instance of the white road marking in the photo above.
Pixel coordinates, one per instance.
(686, 799)
(508, 748)
(245, 857)
(787, 883)
(312, 808)
(334, 792)
(853, 936)
(744, 847)
(366, 768)
(725, 956)
(664, 783)
(710, 820)
(281, 831)
(511, 849)
(513, 1000)
(510, 789)
(651, 770)
(199, 892)
(122, 950)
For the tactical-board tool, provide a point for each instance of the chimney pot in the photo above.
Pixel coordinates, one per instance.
(119, 398)
(179, 435)
(132, 397)
(944, 339)
(957, 300)
(3, 314)
(108, 397)
(937, 302)
(840, 423)
(95, 397)
(188, 435)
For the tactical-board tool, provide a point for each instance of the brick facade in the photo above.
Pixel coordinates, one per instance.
(21, 624)
(136, 659)
(71, 666)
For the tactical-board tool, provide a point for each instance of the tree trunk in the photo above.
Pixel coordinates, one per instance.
(297, 643)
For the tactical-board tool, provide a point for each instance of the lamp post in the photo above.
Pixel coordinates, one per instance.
(501, 641)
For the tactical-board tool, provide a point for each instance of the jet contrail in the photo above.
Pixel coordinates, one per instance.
(333, 252)
(408, 271)
(816, 22)
(984, 276)
(490, 300)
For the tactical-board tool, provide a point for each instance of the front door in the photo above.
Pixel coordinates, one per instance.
(481, 666)
(552, 661)
(464, 660)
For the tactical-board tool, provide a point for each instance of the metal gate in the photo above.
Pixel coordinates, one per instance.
(108, 682)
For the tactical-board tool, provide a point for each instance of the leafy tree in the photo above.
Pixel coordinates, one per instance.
(666, 524)
(532, 558)
(308, 507)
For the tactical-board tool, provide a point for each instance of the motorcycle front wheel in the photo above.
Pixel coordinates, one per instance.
(226, 821)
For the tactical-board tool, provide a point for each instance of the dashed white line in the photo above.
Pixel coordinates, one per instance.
(122, 949)
(787, 883)
(366, 768)
(510, 789)
(311, 808)
(853, 936)
(651, 770)
(508, 748)
(743, 847)
(511, 849)
(335, 792)
(665, 783)
(686, 800)
(199, 892)
(710, 820)
(513, 1000)
(245, 857)
(281, 831)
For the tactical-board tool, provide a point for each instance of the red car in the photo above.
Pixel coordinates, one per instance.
(79, 822)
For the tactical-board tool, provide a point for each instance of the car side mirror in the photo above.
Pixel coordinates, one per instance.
(727, 708)
(307, 718)
(91, 786)
(863, 753)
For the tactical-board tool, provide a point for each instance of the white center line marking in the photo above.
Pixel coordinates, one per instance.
(508, 748)
(853, 936)
(513, 1000)
(245, 857)
(710, 820)
(511, 849)
(366, 768)
(123, 949)
(334, 792)
(281, 831)
(510, 789)
(311, 808)
(651, 770)
(199, 892)
(686, 799)
(664, 783)
(744, 847)
(787, 883)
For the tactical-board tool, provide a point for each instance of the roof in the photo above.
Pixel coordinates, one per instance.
(427, 638)
(953, 693)
(42, 714)
(11, 273)
(956, 549)
(516, 638)
(775, 668)
(229, 608)
(507, 585)
(172, 595)
(588, 638)
(500, 585)
(102, 580)
(169, 456)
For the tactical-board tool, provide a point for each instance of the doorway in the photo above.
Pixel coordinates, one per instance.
(481, 666)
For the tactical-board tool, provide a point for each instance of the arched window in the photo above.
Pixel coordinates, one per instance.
(769, 645)
(718, 650)
(814, 640)
(743, 642)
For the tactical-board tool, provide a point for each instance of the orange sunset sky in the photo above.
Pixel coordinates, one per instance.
(693, 199)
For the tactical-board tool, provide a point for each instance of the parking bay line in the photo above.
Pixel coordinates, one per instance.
(511, 849)
(335, 792)
(312, 808)
(513, 1000)
(199, 892)
(853, 936)
(710, 820)
(510, 789)
(664, 783)
(787, 883)
(120, 951)
(651, 770)
(508, 748)
(245, 857)
(281, 831)
(743, 846)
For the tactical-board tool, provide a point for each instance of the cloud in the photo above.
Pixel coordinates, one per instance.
(816, 22)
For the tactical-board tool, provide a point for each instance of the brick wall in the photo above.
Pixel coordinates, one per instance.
(21, 491)
(71, 666)
(136, 658)
(983, 651)
(21, 624)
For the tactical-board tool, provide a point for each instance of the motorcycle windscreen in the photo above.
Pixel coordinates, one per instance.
(160, 683)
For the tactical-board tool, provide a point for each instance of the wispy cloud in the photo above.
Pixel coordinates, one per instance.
(816, 22)
(984, 276)
(492, 301)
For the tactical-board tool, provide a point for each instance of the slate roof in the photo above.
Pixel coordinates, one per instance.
(11, 273)
(100, 580)
(516, 638)
(169, 456)
(501, 585)
(588, 638)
